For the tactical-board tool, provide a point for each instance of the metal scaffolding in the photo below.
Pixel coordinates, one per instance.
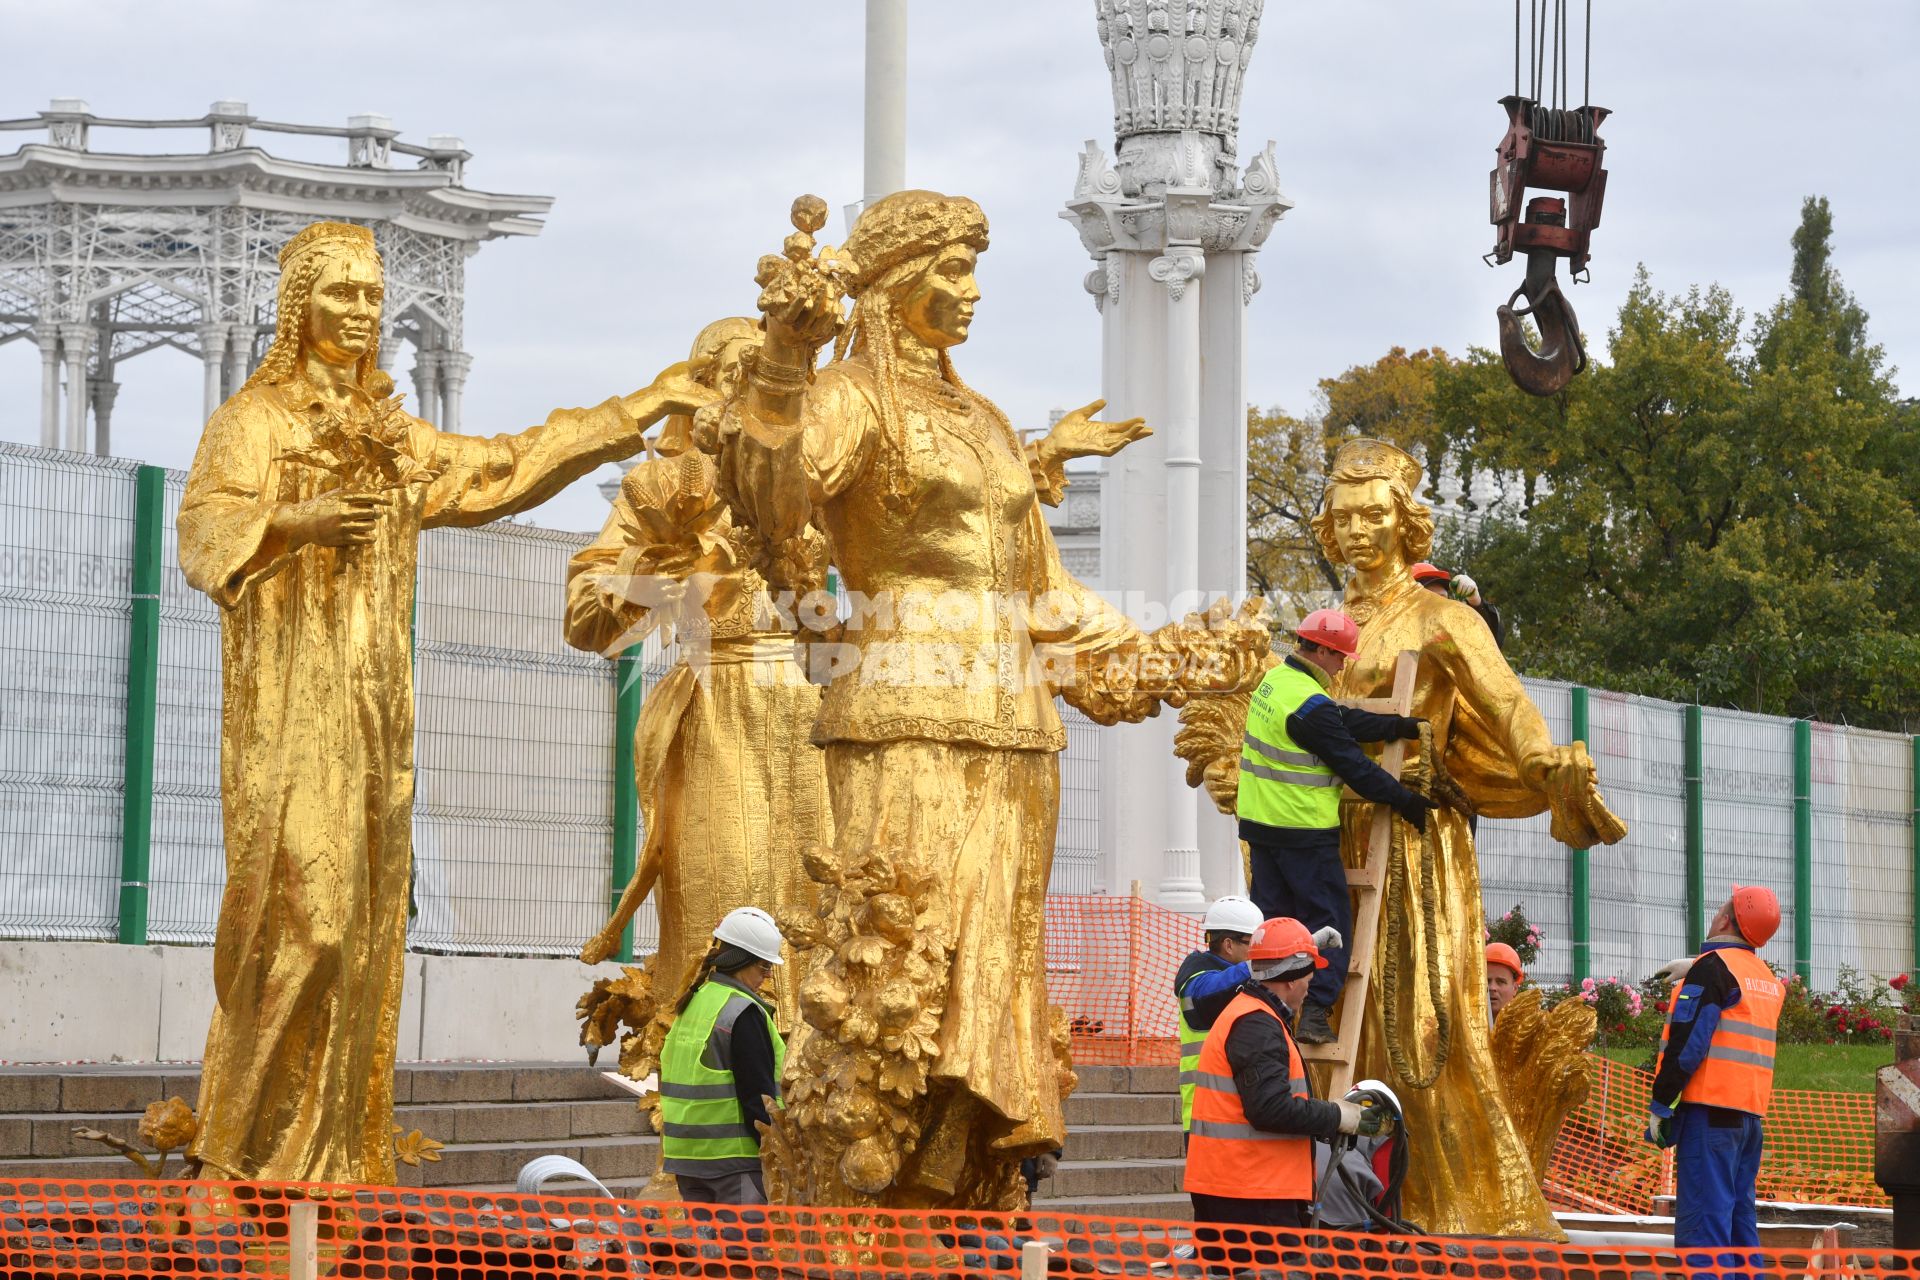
(105, 255)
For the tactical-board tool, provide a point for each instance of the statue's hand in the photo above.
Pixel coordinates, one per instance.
(339, 518)
(677, 389)
(1078, 435)
(801, 303)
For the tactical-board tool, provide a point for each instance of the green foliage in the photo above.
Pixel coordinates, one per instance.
(1729, 507)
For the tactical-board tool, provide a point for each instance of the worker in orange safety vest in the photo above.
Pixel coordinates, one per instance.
(1250, 1152)
(1715, 1076)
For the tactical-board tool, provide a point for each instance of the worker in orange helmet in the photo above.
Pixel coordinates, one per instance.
(1504, 975)
(1715, 1077)
(1250, 1151)
(1299, 745)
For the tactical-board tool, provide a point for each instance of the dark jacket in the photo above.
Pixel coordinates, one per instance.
(1257, 1052)
(1334, 732)
(1210, 983)
(749, 1055)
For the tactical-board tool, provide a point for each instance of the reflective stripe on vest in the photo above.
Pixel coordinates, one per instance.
(703, 1130)
(1190, 1042)
(1226, 1154)
(1737, 1072)
(1282, 785)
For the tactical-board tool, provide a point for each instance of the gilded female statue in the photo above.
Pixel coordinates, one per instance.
(302, 520)
(1426, 1021)
(931, 1062)
(731, 787)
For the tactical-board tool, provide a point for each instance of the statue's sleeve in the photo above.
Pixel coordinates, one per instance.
(227, 543)
(777, 476)
(482, 479)
(1496, 728)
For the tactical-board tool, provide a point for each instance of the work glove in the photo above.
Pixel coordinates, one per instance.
(1356, 1119)
(1410, 726)
(1660, 1130)
(1674, 970)
(1327, 936)
(1465, 588)
(1046, 1164)
(1414, 812)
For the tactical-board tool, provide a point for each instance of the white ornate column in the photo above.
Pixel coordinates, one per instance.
(213, 358)
(454, 367)
(234, 367)
(48, 336)
(77, 340)
(426, 386)
(1171, 223)
(103, 390)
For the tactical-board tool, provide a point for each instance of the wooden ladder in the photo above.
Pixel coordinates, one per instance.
(1367, 883)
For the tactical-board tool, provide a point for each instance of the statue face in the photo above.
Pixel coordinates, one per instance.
(343, 314)
(1366, 523)
(938, 309)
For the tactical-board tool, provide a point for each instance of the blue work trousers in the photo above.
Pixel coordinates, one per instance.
(1303, 878)
(1716, 1159)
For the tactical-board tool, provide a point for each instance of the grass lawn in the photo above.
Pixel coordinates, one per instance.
(1829, 1068)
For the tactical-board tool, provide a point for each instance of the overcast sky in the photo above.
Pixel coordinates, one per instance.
(674, 137)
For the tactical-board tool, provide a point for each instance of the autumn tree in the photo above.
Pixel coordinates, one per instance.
(1288, 459)
(1712, 513)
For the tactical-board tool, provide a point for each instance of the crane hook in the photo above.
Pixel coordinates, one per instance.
(1561, 354)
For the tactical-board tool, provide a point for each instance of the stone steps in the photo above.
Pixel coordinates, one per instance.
(1123, 1155)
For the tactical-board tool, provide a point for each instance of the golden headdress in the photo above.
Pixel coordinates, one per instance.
(323, 236)
(1368, 459)
(908, 225)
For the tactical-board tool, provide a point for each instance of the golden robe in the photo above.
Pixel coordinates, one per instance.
(316, 767)
(940, 730)
(731, 788)
(1470, 1172)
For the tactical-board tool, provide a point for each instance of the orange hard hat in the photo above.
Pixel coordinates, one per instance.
(1501, 953)
(1279, 940)
(1426, 571)
(1756, 913)
(1330, 629)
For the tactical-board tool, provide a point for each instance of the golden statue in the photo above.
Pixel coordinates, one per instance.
(731, 787)
(931, 1062)
(302, 519)
(1471, 1173)
(1426, 1030)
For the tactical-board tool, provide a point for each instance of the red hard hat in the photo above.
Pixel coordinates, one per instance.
(1501, 953)
(1427, 572)
(1756, 913)
(1331, 629)
(1282, 938)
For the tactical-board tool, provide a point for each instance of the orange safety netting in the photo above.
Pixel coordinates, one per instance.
(60, 1230)
(1819, 1148)
(1111, 962)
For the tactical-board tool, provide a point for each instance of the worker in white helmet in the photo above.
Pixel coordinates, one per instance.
(1207, 980)
(720, 1066)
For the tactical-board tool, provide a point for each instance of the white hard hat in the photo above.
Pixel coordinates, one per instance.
(1377, 1086)
(753, 931)
(1233, 914)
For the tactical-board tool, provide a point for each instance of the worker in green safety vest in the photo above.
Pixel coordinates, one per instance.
(1207, 981)
(1299, 746)
(720, 1066)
